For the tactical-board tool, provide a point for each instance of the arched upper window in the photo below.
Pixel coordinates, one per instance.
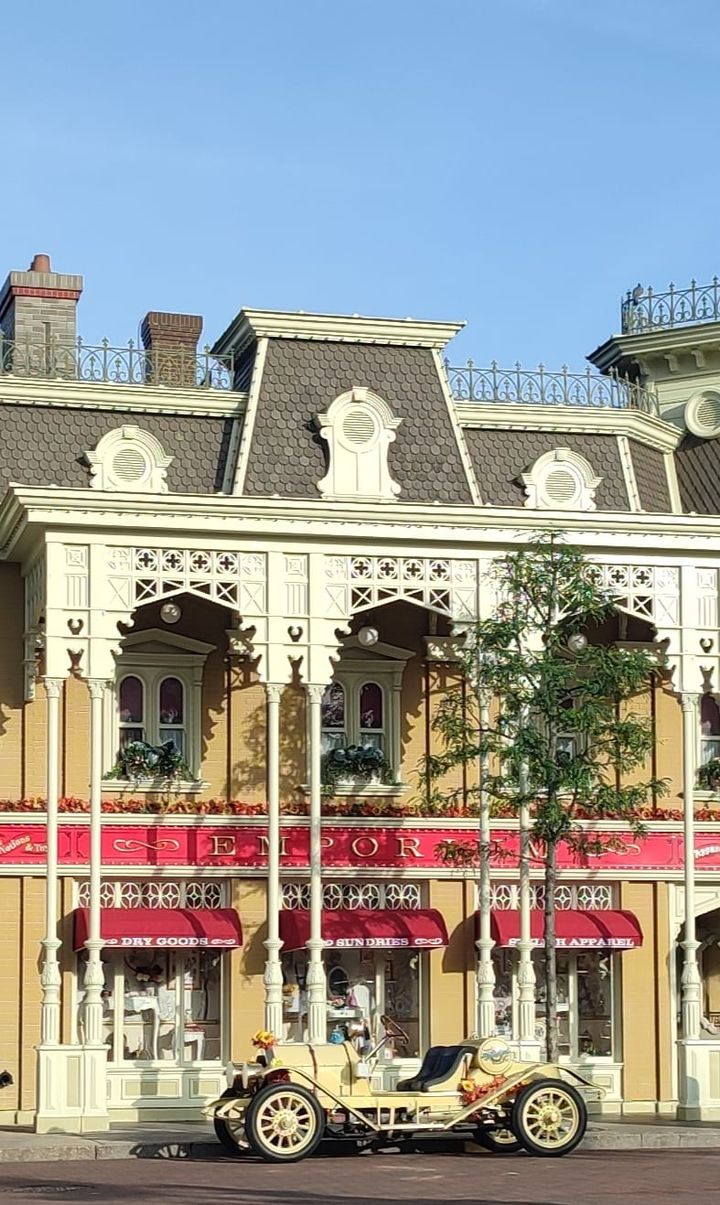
(332, 711)
(131, 707)
(371, 715)
(171, 713)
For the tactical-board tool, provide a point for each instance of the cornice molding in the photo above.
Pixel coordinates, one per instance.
(495, 416)
(106, 395)
(252, 325)
(29, 517)
(654, 343)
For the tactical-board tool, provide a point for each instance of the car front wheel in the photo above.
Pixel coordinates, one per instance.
(549, 1117)
(284, 1123)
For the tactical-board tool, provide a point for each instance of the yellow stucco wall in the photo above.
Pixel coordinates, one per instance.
(640, 1002)
(247, 993)
(448, 1013)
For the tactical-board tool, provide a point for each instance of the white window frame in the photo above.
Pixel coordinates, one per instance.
(385, 667)
(183, 658)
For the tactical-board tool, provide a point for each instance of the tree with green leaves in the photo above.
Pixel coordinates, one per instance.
(544, 707)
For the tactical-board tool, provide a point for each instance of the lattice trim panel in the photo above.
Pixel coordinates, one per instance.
(397, 896)
(356, 583)
(650, 592)
(121, 894)
(141, 575)
(581, 896)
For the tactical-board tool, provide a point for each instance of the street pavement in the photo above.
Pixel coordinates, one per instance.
(584, 1178)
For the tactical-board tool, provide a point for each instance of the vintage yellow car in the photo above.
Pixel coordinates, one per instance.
(294, 1096)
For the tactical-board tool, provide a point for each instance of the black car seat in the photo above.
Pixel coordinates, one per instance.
(431, 1059)
(446, 1065)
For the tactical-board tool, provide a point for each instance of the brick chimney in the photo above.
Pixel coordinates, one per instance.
(171, 343)
(38, 307)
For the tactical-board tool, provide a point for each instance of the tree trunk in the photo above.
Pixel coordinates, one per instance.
(551, 1022)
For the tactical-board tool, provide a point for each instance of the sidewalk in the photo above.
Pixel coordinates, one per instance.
(196, 1140)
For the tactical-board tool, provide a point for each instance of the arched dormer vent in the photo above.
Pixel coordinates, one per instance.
(129, 459)
(358, 428)
(561, 480)
(702, 414)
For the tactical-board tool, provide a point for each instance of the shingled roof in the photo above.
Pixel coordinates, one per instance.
(44, 445)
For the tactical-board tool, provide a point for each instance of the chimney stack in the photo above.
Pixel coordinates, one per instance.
(170, 341)
(38, 307)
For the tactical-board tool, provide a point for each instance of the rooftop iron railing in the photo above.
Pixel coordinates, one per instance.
(469, 383)
(130, 365)
(643, 310)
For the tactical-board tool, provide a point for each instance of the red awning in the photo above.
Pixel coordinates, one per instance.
(367, 929)
(575, 930)
(171, 928)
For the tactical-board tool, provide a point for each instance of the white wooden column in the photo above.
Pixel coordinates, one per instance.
(94, 978)
(50, 978)
(526, 970)
(316, 983)
(691, 986)
(485, 968)
(273, 971)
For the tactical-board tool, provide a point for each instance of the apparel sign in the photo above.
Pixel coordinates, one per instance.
(392, 846)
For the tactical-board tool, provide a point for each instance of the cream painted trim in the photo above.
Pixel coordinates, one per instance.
(673, 484)
(499, 416)
(457, 429)
(26, 511)
(657, 342)
(351, 328)
(106, 395)
(250, 415)
(628, 469)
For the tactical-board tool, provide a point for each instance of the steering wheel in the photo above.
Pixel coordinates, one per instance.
(393, 1030)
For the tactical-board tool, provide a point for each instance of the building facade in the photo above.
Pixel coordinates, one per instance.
(233, 581)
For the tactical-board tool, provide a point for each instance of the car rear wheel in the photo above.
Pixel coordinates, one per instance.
(284, 1123)
(230, 1128)
(549, 1117)
(501, 1141)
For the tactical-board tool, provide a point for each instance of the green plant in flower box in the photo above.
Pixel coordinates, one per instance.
(354, 763)
(138, 760)
(708, 775)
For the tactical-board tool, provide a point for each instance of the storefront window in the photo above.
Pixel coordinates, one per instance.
(362, 986)
(161, 1006)
(584, 994)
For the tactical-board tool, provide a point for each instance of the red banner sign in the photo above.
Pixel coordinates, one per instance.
(389, 846)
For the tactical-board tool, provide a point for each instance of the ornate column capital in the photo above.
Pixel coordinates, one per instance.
(274, 691)
(689, 700)
(97, 687)
(53, 687)
(315, 691)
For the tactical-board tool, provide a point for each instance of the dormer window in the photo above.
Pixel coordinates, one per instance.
(561, 480)
(358, 428)
(129, 459)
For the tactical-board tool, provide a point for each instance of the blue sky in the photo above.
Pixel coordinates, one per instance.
(514, 163)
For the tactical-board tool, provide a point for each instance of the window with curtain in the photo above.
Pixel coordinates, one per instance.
(171, 713)
(709, 729)
(332, 712)
(131, 707)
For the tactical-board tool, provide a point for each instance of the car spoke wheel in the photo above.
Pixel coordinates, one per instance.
(501, 1141)
(549, 1117)
(230, 1127)
(284, 1122)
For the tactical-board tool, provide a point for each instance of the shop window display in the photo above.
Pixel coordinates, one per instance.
(159, 1006)
(362, 986)
(585, 1000)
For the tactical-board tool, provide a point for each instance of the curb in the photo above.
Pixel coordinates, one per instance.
(72, 1149)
